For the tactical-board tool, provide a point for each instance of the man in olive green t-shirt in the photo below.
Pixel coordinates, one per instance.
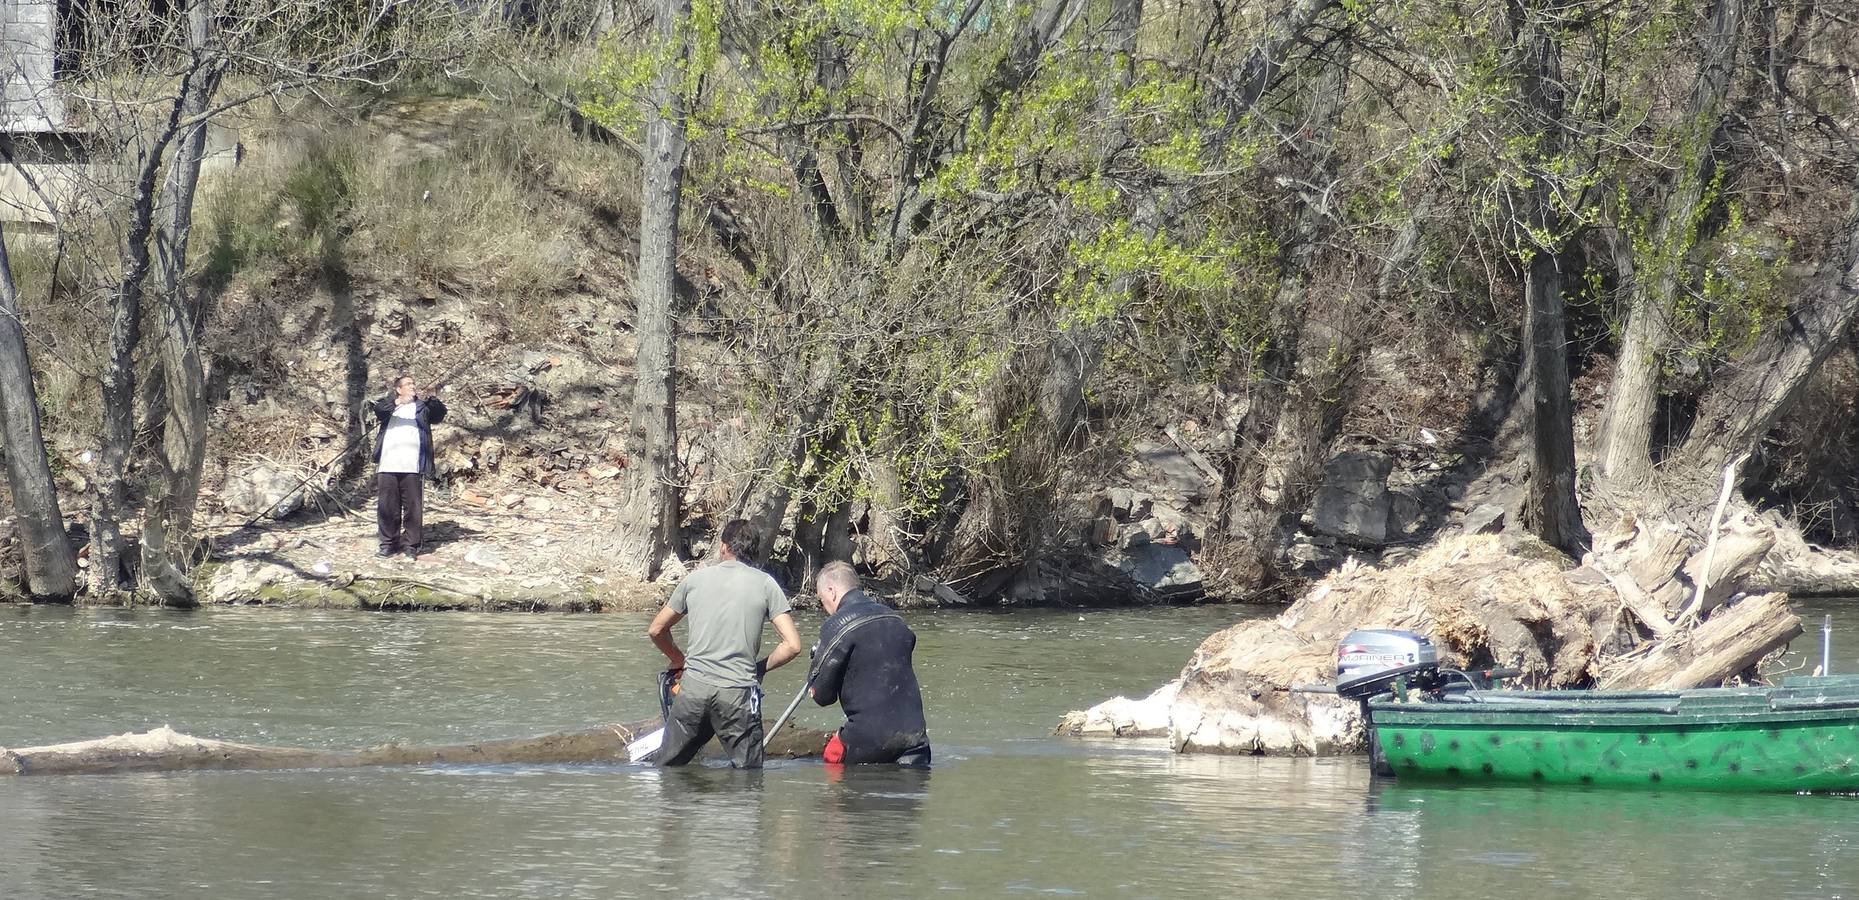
(719, 691)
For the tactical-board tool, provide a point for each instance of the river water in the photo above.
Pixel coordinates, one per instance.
(1007, 810)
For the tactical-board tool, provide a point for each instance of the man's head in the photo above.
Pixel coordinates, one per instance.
(835, 581)
(406, 388)
(737, 540)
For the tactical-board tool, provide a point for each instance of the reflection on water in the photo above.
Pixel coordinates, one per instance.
(1007, 810)
(1638, 844)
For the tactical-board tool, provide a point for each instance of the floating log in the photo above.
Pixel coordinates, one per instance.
(166, 750)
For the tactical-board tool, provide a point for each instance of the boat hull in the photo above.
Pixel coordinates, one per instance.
(1803, 736)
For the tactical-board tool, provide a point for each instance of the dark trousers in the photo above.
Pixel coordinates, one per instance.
(399, 502)
(699, 711)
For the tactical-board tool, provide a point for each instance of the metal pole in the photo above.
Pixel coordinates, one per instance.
(1826, 646)
(787, 713)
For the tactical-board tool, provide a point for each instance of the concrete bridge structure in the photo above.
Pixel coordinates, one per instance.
(28, 61)
(43, 158)
(51, 158)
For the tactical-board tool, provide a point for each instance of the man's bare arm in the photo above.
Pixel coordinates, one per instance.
(790, 642)
(660, 633)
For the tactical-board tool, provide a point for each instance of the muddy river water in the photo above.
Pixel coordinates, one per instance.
(1007, 810)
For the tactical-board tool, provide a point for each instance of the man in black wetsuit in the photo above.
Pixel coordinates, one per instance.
(864, 666)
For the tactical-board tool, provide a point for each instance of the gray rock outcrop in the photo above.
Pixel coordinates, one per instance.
(1355, 505)
(1166, 570)
(276, 492)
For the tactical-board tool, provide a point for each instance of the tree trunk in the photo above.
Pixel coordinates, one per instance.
(168, 517)
(1626, 432)
(1322, 394)
(885, 549)
(767, 510)
(653, 516)
(1740, 410)
(836, 544)
(809, 535)
(118, 392)
(1259, 69)
(1074, 352)
(1551, 511)
(51, 567)
(1550, 508)
(785, 459)
(1244, 513)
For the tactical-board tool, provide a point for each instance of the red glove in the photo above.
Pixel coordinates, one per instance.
(835, 751)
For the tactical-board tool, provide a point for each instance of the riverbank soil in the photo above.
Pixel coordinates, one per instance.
(479, 553)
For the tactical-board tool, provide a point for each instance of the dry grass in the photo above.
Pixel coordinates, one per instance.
(454, 195)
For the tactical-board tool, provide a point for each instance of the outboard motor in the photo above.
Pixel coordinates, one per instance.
(1369, 660)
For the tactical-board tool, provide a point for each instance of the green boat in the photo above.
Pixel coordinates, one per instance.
(1436, 725)
(1802, 735)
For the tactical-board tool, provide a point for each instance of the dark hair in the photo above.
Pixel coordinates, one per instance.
(739, 536)
(400, 378)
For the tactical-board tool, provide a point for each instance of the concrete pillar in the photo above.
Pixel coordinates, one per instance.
(28, 52)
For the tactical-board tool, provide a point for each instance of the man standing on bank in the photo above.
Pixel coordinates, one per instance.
(864, 665)
(719, 689)
(403, 459)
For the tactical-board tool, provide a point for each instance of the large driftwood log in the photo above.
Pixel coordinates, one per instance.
(1644, 607)
(1730, 641)
(1665, 579)
(166, 750)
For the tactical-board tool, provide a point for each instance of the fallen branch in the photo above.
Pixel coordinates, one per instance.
(1696, 608)
(434, 586)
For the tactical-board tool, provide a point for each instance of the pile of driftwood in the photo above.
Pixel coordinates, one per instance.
(1655, 605)
(166, 750)
(1698, 626)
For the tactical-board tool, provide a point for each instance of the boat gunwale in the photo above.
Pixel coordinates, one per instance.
(1518, 717)
(1796, 702)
